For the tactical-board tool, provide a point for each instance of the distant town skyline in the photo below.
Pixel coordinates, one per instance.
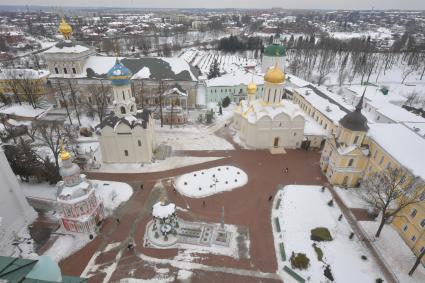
(289, 4)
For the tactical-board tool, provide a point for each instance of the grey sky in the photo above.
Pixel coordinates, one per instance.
(290, 4)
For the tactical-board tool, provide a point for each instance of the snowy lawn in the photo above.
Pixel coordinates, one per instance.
(66, 245)
(303, 208)
(351, 197)
(112, 194)
(401, 259)
(211, 181)
(192, 140)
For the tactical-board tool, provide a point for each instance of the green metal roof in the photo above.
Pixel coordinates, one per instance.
(16, 269)
(275, 50)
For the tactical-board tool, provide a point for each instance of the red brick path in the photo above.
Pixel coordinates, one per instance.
(247, 206)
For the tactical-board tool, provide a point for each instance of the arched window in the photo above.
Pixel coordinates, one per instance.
(65, 71)
(125, 152)
(132, 108)
(122, 110)
(123, 95)
(139, 142)
(56, 70)
(350, 162)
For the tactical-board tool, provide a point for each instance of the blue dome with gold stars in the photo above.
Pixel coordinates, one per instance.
(119, 74)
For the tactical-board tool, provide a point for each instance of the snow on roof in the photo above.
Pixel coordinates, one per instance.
(234, 79)
(100, 64)
(295, 81)
(374, 94)
(398, 114)
(67, 49)
(24, 110)
(325, 106)
(178, 65)
(404, 145)
(256, 110)
(22, 74)
(418, 128)
(162, 210)
(144, 73)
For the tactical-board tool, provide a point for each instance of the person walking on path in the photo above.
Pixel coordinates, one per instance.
(118, 221)
(141, 186)
(270, 198)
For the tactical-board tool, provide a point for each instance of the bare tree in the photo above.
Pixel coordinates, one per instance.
(59, 88)
(99, 95)
(50, 134)
(389, 191)
(73, 93)
(418, 260)
(161, 90)
(13, 83)
(411, 98)
(407, 71)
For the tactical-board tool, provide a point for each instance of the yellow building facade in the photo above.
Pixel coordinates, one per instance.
(23, 81)
(350, 154)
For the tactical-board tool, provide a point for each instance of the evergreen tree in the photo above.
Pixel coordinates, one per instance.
(214, 70)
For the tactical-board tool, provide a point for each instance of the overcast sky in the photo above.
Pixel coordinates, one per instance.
(290, 4)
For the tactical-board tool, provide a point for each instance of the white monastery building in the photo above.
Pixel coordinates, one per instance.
(271, 121)
(126, 135)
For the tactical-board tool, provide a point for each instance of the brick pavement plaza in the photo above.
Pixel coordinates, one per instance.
(246, 206)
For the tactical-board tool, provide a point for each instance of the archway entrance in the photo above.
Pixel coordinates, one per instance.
(276, 142)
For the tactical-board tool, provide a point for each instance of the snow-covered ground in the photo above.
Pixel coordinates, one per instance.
(170, 163)
(67, 244)
(303, 208)
(211, 181)
(25, 110)
(191, 139)
(350, 197)
(394, 251)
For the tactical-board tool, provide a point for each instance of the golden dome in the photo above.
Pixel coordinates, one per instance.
(65, 29)
(64, 155)
(275, 75)
(252, 88)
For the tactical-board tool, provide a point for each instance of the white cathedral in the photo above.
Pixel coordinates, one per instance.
(126, 135)
(271, 122)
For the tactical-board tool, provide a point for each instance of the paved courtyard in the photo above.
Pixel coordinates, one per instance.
(247, 207)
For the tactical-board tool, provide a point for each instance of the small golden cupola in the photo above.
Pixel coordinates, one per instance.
(64, 155)
(65, 29)
(252, 88)
(275, 75)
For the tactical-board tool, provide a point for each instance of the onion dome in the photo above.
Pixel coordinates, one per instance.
(119, 74)
(64, 155)
(275, 50)
(252, 88)
(275, 75)
(355, 121)
(65, 29)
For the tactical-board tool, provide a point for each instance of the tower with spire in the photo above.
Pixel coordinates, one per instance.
(345, 154)
(79, 207)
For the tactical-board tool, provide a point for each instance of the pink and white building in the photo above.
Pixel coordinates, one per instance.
(79, 207)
